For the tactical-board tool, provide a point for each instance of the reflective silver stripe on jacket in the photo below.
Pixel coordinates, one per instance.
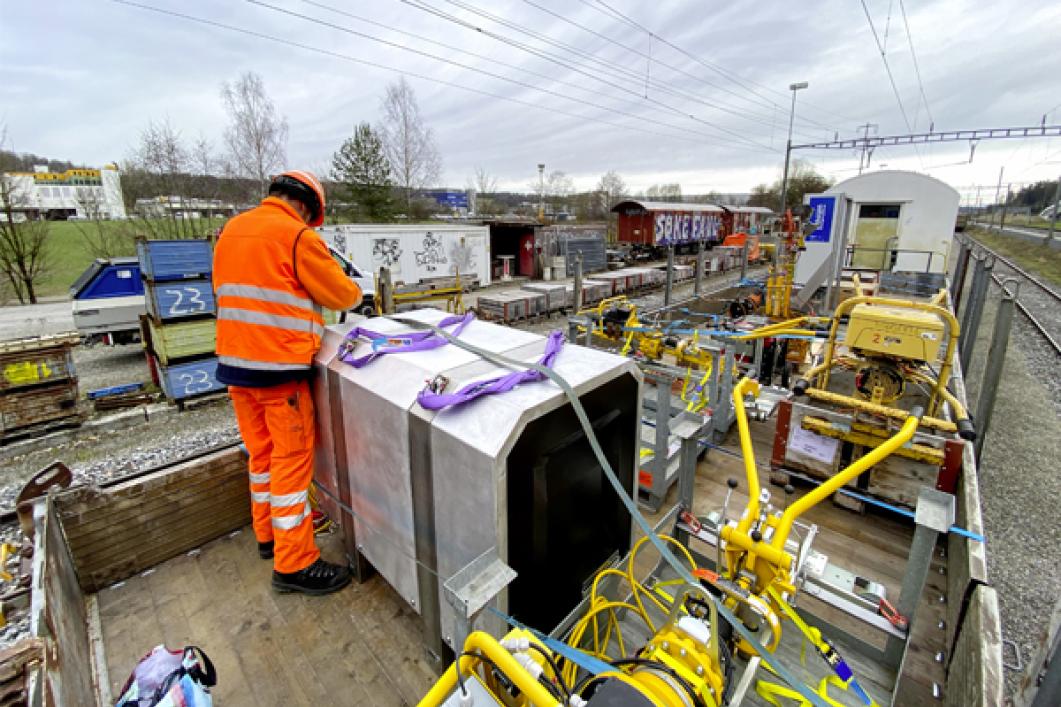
(291, 522)
(278, 321)
(260, 478)
(285, 500)
(260, 496)
(266, 294)
(262, 365)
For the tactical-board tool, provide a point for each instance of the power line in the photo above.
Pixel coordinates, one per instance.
(502, 77)
(739, 112)
(743, 83)
(887, 67)
(378, 65)
(765, 103)
(630, 75)
(917, 69)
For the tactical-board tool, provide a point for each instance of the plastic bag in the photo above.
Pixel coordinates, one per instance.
(165, 678)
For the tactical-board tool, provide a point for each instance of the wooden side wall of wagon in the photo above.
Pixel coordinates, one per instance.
(28, 410)
(26, 363)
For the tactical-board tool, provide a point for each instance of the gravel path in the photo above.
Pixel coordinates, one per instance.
(1018, 478)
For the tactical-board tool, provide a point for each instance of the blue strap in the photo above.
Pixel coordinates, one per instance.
(591, 664)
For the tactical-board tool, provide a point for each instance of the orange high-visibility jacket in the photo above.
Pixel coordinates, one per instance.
(272, 274)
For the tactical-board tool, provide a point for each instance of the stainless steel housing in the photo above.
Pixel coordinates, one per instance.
(433, 491)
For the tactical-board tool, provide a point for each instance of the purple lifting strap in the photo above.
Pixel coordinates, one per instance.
(383, 344)
(502, 384)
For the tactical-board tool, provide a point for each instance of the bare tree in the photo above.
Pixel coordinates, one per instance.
(610, 189)
(159, 168)
(100, 237)
(484, 185)
(407, 142)
(256, 137)
(559, 187)
(24, 254)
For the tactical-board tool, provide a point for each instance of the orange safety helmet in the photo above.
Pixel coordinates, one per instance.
(305, 187)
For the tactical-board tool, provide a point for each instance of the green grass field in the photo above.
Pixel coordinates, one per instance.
(1040, 260)
(69, 254)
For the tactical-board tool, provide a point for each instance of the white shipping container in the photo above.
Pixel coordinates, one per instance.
(414, 253)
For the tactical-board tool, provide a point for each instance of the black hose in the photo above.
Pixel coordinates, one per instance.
(556, 669)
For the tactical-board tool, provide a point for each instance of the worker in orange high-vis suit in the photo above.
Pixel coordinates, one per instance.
(272, 275)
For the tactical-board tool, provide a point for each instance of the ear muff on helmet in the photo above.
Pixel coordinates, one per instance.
(304, 187)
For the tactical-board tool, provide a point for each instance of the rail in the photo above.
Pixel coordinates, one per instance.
(1039, 284)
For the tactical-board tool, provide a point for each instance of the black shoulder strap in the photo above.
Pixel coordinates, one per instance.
(294, 250)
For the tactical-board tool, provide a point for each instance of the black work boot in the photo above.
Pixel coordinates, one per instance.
(319, 578)
(265, 550)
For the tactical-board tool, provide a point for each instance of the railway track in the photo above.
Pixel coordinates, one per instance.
(1038, 304)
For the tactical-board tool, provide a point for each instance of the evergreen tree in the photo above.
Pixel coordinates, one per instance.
(361, 168)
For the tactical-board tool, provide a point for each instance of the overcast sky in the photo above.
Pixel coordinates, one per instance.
(80, 78)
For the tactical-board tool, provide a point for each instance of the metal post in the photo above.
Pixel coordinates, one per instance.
(670, 276)
(388, 290)
(744, 258)
(659, 461)
(957, 282)
(1002, 221)
(971, 325)
(1053, 217)
(578, 282)
(934, 515)
(996, 357)
(699, 271)
(541, 193)
(998, 194)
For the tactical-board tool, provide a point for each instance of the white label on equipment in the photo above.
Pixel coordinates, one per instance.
(813, 445)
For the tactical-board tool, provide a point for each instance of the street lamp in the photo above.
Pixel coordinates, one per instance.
(788, 147)
(541, 192)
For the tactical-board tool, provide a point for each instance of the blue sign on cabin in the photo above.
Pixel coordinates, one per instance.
(187, 380)
(175, 260)
(822, 210)
(180, 299)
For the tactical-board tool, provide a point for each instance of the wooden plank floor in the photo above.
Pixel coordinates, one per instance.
(360, 646)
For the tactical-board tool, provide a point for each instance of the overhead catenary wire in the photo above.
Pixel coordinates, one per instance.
(629, 74)
(378, 65)
(917, 68)
(746, 84)
(533, 51)
(652, 58)
(502, 77)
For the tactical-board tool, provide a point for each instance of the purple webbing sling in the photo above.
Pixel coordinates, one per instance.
(431, 400)
(383, 344)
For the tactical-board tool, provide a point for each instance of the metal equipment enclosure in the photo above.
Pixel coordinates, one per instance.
(511, 473)
(900, 221)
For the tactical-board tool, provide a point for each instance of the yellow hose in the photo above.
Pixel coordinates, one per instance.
(488, 646)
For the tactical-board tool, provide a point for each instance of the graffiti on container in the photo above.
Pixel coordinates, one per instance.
(339, 242)
(675, 226)
(431, 257)
(462, 257)
(386, 252)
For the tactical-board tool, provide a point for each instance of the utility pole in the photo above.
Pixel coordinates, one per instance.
(1002, 221)
(1053, 216)
(865, 135)
(541, 193)
(998, 192)
(788, 146)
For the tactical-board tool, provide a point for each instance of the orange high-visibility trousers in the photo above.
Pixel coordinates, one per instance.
(276, 424)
